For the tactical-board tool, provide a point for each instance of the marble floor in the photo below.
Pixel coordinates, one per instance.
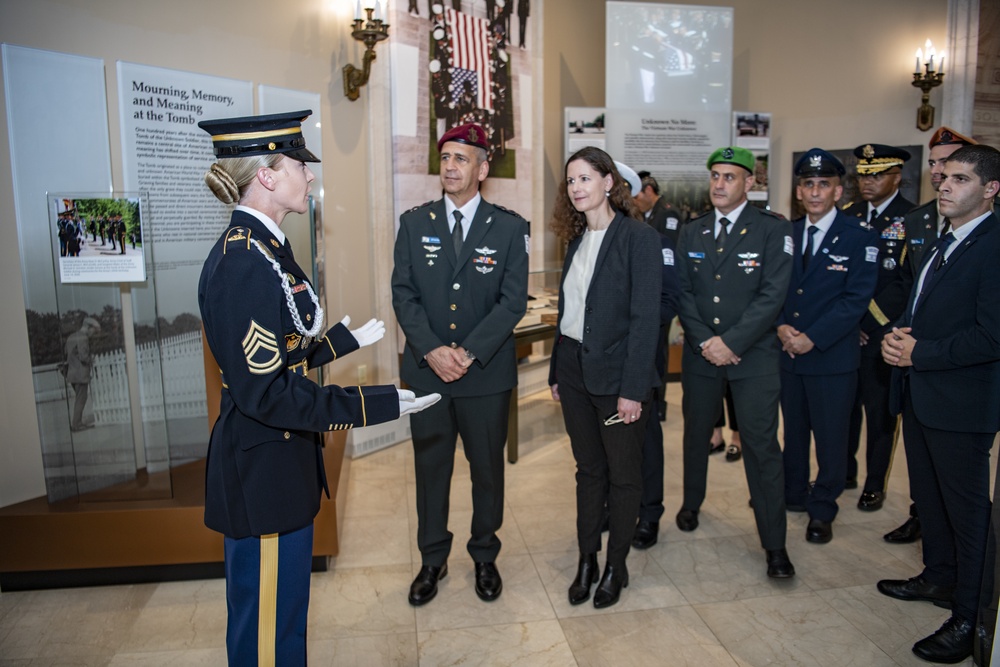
(698, 598)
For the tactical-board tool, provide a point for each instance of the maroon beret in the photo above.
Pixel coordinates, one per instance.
(470, 134)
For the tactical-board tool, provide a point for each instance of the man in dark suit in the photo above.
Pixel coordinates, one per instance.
(833, 279)
(946, 384)
(459, 287)
(882, 207)
(523, 10)
(734, 266)
(660, 215)
(924, 225)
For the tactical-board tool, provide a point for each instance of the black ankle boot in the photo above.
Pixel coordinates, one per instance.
(586, 575)
(610, 589)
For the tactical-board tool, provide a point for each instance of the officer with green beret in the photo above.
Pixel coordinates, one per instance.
(734, 265)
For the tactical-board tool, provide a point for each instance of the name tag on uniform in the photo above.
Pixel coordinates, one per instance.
(430, 239)
(696, 255)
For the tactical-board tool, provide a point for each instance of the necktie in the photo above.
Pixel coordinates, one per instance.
(945, 228)
(807, 252)
(720, 240)
(872, 216)
(456, 232)
(942, 248)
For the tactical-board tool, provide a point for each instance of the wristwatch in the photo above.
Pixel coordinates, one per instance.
(470, 356)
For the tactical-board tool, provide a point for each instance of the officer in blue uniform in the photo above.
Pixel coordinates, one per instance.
(882, 207)
(834, 270)
(266, 329)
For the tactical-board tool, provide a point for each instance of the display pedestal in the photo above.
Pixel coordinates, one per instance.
(90, 540)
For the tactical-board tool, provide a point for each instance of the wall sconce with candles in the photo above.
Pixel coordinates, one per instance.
(926, 81)
(371, 32)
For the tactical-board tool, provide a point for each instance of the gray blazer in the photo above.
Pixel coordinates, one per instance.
(622, 319)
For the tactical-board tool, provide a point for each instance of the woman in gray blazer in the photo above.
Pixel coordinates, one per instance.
(602, 367)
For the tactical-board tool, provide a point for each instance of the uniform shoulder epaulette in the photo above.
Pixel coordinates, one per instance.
(426, 203)
(703, 215)
(772, 214)
(510, 211)
(236, 238)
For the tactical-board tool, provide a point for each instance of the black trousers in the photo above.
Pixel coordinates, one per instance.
(608, 459)
(950, 482)
(756, 403)
(734, 424)
(874, 377)
(651, 507)
(482, 423)
(817, 405)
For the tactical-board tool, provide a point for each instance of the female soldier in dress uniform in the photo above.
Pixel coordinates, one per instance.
(265, 327)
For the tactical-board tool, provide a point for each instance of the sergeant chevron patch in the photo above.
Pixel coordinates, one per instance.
(261, 349)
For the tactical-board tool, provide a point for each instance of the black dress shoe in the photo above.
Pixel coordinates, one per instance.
(819, 532)
(779, 566)
(587, 574)
(425, 586)
(871, 501)
(734, 453)
(610, 589)
(646, 533)
(916, 588)
(488, 581)
(715, 449)
(687, 520)
(851, 483)
(952, 642)
(908, 532)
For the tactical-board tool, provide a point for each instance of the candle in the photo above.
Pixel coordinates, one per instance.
(941, 66)
(917, 66)
(357, 12)
(378, 10)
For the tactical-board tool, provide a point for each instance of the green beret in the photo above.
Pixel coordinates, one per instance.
(732, 155)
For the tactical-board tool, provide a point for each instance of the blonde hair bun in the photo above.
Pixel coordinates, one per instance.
(222, 184)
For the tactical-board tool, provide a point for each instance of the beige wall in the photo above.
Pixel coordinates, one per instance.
(833, 74)
(297, 44)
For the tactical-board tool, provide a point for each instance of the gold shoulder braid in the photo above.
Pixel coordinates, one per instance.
(285, 285)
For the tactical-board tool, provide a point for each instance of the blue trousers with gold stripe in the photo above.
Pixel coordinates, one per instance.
(267, 593)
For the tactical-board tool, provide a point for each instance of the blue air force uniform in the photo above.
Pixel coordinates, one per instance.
(826, 302)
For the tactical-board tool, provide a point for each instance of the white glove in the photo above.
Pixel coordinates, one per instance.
(368, 333)
(409, 403)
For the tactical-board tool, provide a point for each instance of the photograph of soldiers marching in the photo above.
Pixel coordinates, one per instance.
(705, 386)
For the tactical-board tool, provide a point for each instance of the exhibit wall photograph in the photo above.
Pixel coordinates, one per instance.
(97, 240)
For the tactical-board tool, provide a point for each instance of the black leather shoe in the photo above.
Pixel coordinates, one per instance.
(425, 586)
(908, 532)
(715, 449)
(819, 532)
(488, 581)
(587, 574)
(871, 501)
(916, 588)
(779, 566)
(646, 533)
(851, 483)
(610, 588)
(952, 642)
(687, 520)
(734, 453)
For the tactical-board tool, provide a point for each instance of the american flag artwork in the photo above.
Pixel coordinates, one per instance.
(470, 44)
(461, 80)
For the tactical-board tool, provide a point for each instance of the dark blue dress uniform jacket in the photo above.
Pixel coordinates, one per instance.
(265, 468)
(827, 301)
(473, 301)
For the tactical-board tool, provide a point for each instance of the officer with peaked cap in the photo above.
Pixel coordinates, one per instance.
(924, 225)
(266, 329)
(834, 271)
(882, 208)
(459, 287)
(734, 264)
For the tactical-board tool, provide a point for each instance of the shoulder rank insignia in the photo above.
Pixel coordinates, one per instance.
(507, 210)
(426, 203)
(261, 349)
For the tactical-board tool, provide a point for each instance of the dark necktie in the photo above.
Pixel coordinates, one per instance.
(720, 240)
(456, 232)
(945, 228)
(872, 216)
(941, 247)
(807, 252)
